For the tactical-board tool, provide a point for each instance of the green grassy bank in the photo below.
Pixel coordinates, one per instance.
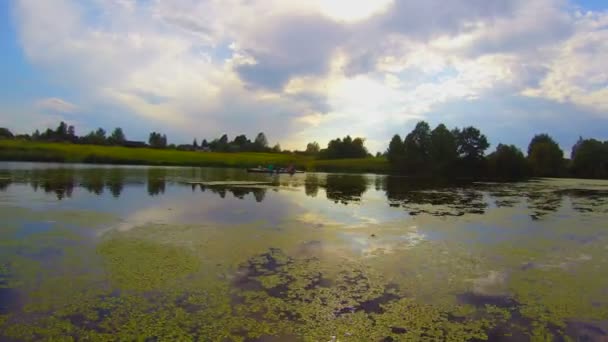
(16, 150)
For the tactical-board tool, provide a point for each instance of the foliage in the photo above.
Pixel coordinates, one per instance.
(5, 133)
(313, 148)
(345, 148)
(545, 156)
(471, 143)
(394, 154)
(508, 163)
(417, 150)
(590, 159)
(117, 137)
(443, 148)
(156, 140)
(440, 152)
(97, 137)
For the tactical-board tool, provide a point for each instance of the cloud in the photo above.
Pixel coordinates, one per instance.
(57, 105)
(300, 70)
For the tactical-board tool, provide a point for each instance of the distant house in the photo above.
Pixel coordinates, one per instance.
(204, 149)
(129, 143)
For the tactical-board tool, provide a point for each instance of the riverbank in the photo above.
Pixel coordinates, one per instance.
(15, 150)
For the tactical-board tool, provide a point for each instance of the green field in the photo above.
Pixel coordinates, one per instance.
(16, 150)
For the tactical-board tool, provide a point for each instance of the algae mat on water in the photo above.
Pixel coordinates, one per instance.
(218, 283)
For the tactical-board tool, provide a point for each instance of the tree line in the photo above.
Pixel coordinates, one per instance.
(460, 153)
(423, 152)
(67, 133)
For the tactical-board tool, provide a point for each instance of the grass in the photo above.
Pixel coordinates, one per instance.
(17, 150)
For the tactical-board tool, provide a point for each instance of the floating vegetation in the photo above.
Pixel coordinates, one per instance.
(523, 261)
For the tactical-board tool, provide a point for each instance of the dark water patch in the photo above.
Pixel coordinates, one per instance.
(30, 228)
(375, 305)
(584, 331)
(479, 300)
(10, 300)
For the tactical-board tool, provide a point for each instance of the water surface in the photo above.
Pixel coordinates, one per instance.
(148, 253)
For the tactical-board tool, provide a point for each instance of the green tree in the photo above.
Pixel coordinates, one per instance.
(508, 163)
(117, 137)
(276, 148)
(157, 140)
(590, 159)
(313, 148)
(417, 149)
(471, 144)
(195, 144)
(345, 148)
(5, 133)
(443, 149)
(241, 141)
(395, 151)
(72, 133)
(61, 133)
(545, 156)
(260, 143)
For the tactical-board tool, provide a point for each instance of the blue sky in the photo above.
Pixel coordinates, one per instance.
(309, 71)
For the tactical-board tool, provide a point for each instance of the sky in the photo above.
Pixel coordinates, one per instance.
(304, 71)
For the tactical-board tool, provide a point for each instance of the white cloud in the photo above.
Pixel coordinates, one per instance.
(295, 69)
(57, 105)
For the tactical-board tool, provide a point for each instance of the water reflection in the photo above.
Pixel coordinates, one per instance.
(541, 198)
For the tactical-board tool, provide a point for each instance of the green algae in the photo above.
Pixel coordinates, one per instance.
(293, 280)
(141, 265)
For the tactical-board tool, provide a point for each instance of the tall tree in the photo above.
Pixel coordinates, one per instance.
(471, 144)
(395, 152)
(260, 142)
(545, 156)
(508, 163)
(590, 159)
(5, 133)
(443, 149)
(417, 149)
(313, 148)
(72, 133)
(117, 137)
(61, 132)
(195, 143)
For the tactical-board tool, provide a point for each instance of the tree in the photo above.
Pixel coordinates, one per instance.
(36, 135)
(241, 141)
(195, 143)
(72, 133)
(508, 163)
(345, 148)
(443, 149)
(395, 151)
(313, 148)
(61, 132)
(157, 140)
(276, 148)
(590, 159)
(117, 137)
(471, 144)
(417, 149)
(260, 143)
(5, 133)
(97, 137)
(545, 156)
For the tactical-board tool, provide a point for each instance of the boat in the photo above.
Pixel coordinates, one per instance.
(264, 170)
